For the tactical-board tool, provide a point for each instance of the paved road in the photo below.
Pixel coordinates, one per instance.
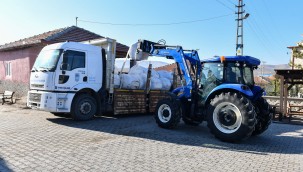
(38, 141)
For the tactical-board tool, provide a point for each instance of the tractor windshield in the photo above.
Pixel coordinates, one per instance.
(211, 76)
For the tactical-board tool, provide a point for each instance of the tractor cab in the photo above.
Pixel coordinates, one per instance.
(228, 70)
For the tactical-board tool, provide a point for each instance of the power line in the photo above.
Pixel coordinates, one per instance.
(264, 46)
(272, 19)
(225, 5)
(262, 28)
(231, 2)
(155, 24)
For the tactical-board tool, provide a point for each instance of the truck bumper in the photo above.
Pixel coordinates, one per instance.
(49, 101)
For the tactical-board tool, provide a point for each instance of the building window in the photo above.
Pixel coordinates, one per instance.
(8, 69)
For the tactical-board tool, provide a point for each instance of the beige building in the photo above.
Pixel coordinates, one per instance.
(296, 59)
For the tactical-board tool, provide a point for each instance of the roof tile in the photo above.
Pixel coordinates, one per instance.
(72, 33)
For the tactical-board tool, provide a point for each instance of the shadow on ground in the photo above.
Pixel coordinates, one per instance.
(3, 166)
(279, 138)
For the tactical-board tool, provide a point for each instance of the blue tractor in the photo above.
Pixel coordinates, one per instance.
(220, 90)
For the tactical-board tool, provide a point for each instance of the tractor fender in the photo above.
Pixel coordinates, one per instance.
(244, 89)
(257, 92)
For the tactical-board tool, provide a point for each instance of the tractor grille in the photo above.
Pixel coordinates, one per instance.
(34, 97)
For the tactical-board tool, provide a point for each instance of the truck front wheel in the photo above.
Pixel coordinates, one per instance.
(168, 113)
(84, 107)
(231, 117)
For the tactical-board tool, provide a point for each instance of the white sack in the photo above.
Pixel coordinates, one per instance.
(137, 70)
(136, 54)
(166, 84)
(116, 81)
(142, 70)
(133, 50)
(143, 78)
(133, 81)
(166, 74)
(155, 84)
(116, 70)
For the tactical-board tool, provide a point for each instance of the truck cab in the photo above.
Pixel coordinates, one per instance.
(60, 71)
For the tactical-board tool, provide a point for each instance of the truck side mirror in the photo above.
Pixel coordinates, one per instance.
(64, 66)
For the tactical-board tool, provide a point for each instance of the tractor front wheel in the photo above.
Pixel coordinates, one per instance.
(168, 113)
(231, 117)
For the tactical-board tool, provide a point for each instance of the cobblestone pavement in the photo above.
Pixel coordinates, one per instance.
(38, 141)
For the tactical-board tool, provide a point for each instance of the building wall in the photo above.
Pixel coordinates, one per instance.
(21, 61)
(297, 61)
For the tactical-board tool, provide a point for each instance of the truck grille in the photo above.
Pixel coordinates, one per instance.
(34, 97)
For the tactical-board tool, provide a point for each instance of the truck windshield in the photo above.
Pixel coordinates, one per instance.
(47, 60)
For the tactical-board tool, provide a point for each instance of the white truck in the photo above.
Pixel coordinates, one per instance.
(77, 79)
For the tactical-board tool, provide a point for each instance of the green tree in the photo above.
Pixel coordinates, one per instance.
(273, 88)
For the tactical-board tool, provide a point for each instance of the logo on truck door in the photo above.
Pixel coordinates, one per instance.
(62, 88)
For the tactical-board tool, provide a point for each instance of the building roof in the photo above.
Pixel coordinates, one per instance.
(292, 47)
(260, 80)
(72, 33)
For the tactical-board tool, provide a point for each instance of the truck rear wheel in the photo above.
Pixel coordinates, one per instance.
(231, 117)
(84, 107)
(264, 116)
(168, 113)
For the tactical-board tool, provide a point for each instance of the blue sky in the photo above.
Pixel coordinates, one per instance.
(272, 26)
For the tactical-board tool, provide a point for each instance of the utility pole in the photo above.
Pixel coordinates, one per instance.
(241, 17)
(76, 21)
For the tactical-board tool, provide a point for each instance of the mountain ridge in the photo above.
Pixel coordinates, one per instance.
(269, 69)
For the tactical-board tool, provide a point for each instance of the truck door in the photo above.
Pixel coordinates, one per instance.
(72, 70)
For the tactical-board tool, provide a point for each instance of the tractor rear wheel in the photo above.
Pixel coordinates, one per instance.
(264, 116)
(231, 117)
(168, 113)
